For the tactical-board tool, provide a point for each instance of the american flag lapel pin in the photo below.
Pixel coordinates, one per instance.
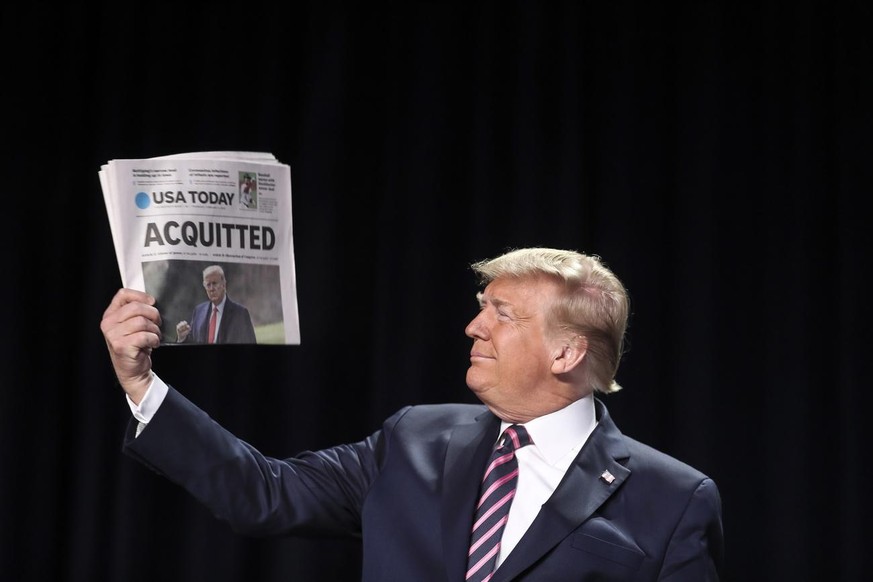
(607, 477)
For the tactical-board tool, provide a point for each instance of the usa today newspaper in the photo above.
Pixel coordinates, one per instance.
(181, 219)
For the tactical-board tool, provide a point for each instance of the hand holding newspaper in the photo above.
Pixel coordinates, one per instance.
(208, 230)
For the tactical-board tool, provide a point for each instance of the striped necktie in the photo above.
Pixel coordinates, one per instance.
(498, 489)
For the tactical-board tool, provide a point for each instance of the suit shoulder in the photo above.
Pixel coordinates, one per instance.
(437, 415)
(645, 458)
(235, 306)
(450, 411)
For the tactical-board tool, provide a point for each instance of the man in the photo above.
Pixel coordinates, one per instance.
(218, 320)
(247, 191)
(584, 501)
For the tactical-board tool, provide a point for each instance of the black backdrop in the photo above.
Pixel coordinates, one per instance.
(717, 157)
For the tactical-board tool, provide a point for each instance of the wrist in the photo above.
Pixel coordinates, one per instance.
(136, 388)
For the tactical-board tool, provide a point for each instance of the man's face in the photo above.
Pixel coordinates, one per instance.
(214, 285)
(512, 354)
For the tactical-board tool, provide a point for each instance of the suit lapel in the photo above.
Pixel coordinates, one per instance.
(466, 455)
(577, 497)
(220, 337)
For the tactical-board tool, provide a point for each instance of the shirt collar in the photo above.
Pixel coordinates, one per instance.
(562, 432)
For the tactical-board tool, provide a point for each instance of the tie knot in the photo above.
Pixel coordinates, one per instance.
(515, 437)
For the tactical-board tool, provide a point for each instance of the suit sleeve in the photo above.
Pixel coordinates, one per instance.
(315, 492)
(696, 549)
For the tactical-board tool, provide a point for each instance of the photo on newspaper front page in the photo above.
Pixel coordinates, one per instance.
(248, 295)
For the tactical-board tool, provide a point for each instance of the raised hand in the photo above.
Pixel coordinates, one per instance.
(131, 328)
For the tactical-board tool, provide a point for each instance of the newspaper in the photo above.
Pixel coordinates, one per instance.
(175, 218)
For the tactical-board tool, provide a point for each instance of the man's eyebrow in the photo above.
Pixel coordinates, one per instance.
(480, 297)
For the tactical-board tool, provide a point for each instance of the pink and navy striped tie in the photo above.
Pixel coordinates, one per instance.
(498, 489)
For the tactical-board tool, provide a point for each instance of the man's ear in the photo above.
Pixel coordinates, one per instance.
(569, 354)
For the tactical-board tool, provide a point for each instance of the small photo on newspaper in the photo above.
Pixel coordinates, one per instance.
(209, 235)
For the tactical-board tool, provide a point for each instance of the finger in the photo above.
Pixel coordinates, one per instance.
(117, 315)
(130, 319)
(124, 296)
(136, 332)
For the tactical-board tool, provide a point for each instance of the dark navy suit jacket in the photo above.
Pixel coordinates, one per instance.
(236, 324)
(409, 491)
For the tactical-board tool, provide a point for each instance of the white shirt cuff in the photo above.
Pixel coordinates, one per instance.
(150, 403)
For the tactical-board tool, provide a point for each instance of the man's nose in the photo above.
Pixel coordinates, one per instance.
(477, 329)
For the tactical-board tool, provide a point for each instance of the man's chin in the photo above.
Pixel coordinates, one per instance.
(476, 385)
(472, 384)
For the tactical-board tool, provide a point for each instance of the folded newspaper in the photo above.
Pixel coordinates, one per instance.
(206, 229)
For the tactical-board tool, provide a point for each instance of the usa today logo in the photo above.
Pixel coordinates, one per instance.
(162, 198)
(142, 200)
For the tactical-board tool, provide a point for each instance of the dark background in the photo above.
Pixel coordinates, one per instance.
(718, 157)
